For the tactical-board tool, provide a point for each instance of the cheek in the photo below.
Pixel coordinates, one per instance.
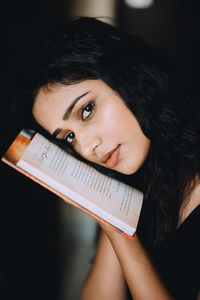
(113, 120)
(133, 157)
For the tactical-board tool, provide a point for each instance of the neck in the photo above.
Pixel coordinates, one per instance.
(190, 203)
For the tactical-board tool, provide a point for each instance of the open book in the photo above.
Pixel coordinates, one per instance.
(102, 197)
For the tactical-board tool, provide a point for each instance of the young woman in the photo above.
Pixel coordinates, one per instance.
(115, 102)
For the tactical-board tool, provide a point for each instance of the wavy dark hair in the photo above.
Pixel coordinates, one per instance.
(145, 79)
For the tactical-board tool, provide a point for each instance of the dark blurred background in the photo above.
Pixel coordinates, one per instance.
(41, 256)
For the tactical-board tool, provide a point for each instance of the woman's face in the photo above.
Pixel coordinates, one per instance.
(95, 120)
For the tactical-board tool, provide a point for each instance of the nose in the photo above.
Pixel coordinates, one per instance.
(88, 143)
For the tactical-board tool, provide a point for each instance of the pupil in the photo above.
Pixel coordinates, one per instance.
(70, 137)
(88, 108)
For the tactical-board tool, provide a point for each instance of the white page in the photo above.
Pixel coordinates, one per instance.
(115, 197)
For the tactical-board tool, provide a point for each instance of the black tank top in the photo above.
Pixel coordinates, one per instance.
(177, 259)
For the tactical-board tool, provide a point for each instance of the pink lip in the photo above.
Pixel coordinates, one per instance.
(111, 157)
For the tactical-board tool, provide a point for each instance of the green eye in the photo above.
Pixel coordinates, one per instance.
(87, 110)
(70, 138)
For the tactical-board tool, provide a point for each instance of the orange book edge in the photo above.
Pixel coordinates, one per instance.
(12, 156)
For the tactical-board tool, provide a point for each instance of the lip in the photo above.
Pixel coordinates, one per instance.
(111, 158)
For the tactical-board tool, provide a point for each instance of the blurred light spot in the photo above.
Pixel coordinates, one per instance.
(139, 3)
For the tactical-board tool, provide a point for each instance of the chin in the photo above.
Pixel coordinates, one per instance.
(129, 170)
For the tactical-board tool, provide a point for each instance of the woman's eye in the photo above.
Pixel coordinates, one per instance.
(70, 138)
(87, 110)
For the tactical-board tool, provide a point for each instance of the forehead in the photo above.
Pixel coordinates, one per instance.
(57, 92)
(51, 101)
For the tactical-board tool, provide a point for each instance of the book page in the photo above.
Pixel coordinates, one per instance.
(116, 198)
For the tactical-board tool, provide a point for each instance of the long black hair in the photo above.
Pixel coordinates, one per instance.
(145, 79)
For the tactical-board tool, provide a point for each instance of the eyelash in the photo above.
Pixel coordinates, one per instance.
(91, 106)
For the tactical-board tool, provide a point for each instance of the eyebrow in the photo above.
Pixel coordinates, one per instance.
(68, 112)
(56, 132)
(70, 108)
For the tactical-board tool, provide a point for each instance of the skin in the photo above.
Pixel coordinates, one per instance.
(100, 122)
